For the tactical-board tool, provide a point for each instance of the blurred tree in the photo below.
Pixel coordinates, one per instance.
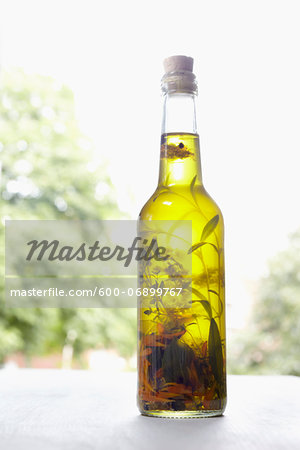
(271, 342)
(48, 172)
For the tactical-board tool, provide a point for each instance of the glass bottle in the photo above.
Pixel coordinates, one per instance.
(181, 351)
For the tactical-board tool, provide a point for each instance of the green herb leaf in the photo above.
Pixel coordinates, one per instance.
(176, 362)
(200, 244)
(220, 301)
(207, 307)
(192, 189)
(198, 294)
(160, 193)
(195, 247)
(214, 292)
(193, 183)
(167, 181)
(209, 227)
(215, 351)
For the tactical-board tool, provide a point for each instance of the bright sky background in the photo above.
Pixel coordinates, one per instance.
(247, 63)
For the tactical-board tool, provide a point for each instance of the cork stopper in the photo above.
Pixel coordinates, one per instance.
(178, 63)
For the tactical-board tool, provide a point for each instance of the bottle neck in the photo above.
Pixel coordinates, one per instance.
(179, 113)
(180, 152)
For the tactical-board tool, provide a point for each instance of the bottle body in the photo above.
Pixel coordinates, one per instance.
(181, 351)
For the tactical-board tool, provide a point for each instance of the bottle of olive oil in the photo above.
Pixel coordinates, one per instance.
(181, 335)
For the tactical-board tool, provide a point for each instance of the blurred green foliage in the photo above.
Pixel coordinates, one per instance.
(48, 172)
(270, 342)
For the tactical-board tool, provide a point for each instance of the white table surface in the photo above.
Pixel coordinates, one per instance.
(60, 409)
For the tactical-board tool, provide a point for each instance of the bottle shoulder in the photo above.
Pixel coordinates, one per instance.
(179, 203)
